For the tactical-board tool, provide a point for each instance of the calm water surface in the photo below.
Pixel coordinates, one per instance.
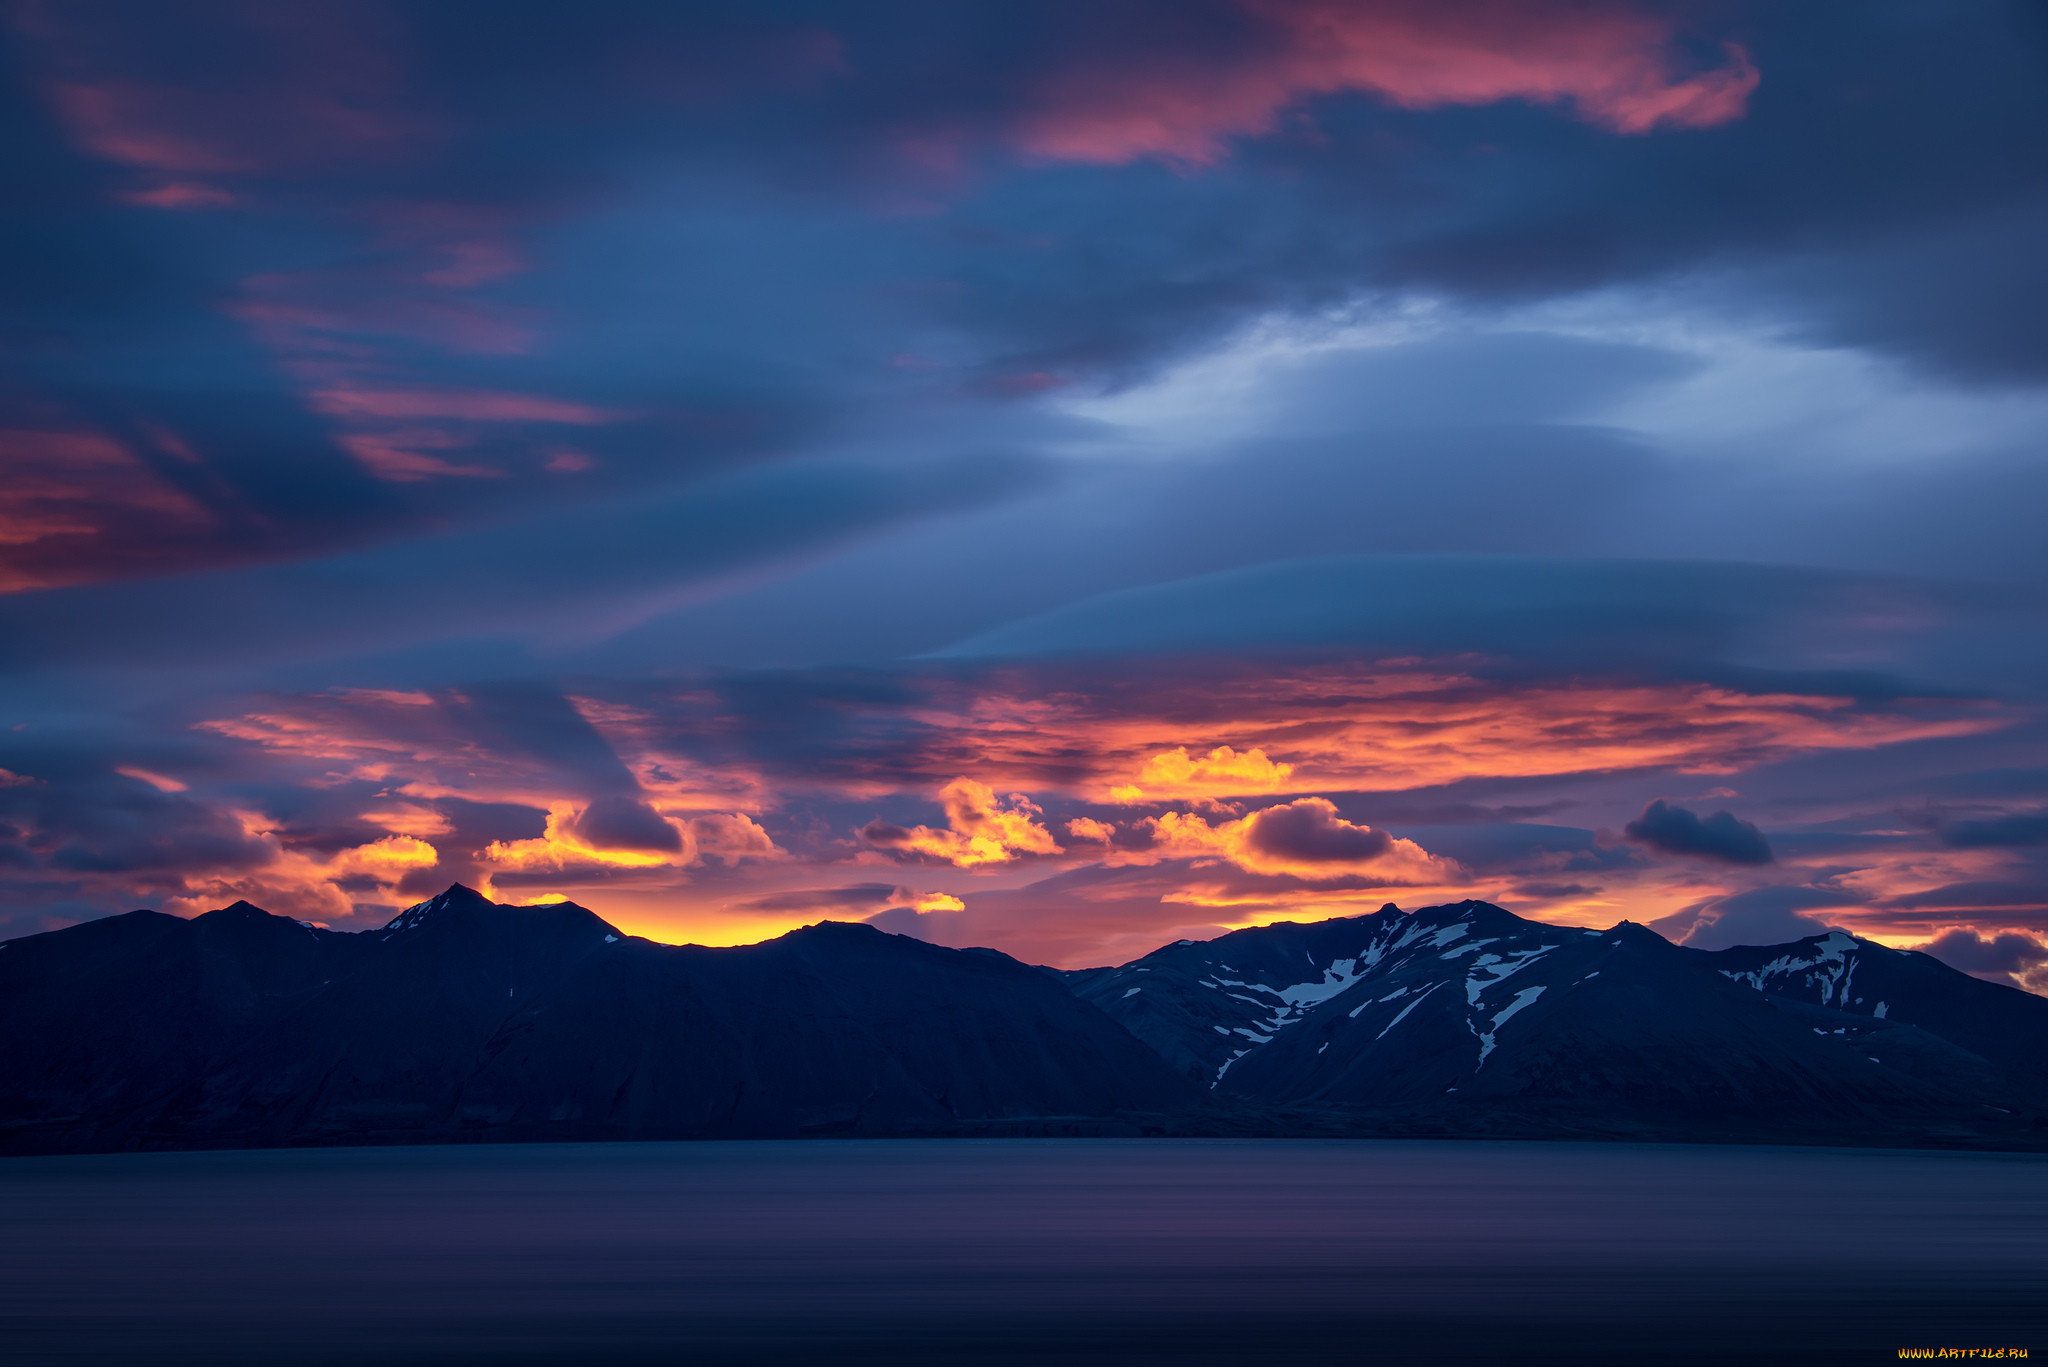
(1112, 1251)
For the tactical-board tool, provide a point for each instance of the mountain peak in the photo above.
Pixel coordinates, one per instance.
(457, 898)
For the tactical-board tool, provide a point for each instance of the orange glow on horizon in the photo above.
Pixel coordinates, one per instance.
(1235, 819)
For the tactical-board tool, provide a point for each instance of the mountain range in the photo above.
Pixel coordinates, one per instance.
(1467, 1019)
(468, 1020)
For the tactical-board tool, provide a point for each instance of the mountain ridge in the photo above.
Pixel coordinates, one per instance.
(463, 1019)
(1463, 1017)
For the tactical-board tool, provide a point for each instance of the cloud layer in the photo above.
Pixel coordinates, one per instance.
(1055, 475)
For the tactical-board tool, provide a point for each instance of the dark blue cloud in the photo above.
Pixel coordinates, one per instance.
(722, 230)
(564, 575)
(1997, 832)
(2009, 957)
(1669, 614)
(1678, 830)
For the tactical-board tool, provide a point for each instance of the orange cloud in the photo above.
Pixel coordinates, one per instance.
(1351, 727)
(979, 829)
(1294, 730)
(560, 849)
(292, 882)
(1613, 65)
(1088, 830)
(1304, 839)
(387, 860)
(1173, 775)
(410, 818)
(422, 747)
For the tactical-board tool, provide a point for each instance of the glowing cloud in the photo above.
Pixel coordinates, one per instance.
(1174, 775)
(562, 849)
(1351, 727)
(386, 860)
(742, 820)
(979, 829)
(1305, 839)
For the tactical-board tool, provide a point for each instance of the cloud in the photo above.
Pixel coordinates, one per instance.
(71, 501)
(2009, 831)
(980, 829)
(1759, 916)
(606, 566)
(358, 300)
(1174, 775)
(756, 779)
(1698, 617)
(562, 850)
(674, 350)
(1978, 895)
(1307, 833)
(382, 863)
(731, 837)
(618, 822)
(1305, 839)
(1613, 65)
(2012, 957)
(1678, 830)
(859, 899)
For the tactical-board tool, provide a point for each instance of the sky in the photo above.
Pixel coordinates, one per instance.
(1057, 476)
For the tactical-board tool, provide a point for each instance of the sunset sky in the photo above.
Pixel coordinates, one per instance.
(1050, 475)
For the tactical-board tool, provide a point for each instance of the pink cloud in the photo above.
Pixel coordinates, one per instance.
(1613, 65)
(406, 457)
(180, 194)
(78, 506)
(472, 405)
(317, 84)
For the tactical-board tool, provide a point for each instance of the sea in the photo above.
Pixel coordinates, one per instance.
(1298, 1252)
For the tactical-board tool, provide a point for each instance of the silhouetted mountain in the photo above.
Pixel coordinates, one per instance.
(1468, 1019)
(463, 1019)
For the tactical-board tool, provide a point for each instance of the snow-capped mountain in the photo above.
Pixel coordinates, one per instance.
(1466, 1006)
(1879, 987)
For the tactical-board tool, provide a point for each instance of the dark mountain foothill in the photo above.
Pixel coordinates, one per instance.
(467, 1020)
